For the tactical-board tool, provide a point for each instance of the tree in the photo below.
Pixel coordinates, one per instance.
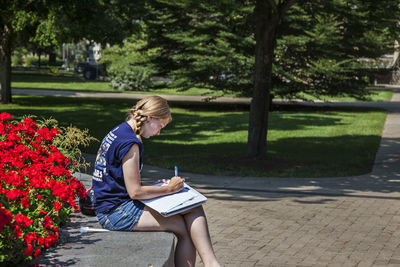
(50, 23)
(308, 47)
(268, 15)
(213, 44)
(202, 43)
(319, 45)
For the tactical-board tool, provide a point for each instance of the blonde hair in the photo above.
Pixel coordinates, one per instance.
(151, 106)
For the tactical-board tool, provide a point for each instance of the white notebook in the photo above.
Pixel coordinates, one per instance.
(183, 200)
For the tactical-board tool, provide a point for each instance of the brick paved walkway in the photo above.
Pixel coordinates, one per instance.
(275, 229)
(342, 221)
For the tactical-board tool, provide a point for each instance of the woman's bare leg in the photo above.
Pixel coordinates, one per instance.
(196, 223)
(185, 252)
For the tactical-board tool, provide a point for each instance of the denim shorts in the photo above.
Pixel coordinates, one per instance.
(122, 218)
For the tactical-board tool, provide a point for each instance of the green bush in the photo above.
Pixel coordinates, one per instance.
(131, 78)
(17, 56)
(52, 69)
(70, 141)
(127, 66)
(29, 61)
(16, 60)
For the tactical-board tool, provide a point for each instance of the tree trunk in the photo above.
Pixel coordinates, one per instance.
(52, 59)
(5, 64)
(39, 54)
(266, 23)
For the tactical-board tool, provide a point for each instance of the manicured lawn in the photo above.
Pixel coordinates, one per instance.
(68, 82)
(375, 95)
(212, 140)
(53, 82)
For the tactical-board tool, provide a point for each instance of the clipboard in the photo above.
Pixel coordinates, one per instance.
(172, 204)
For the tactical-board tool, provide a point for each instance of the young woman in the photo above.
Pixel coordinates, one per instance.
(118, 189)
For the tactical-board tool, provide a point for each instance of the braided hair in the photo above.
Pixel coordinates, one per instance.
(151, 106)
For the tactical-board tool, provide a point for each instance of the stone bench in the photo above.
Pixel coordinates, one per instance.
(112, 248)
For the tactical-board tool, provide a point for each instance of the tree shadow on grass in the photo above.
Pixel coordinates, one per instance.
(194, 127)
(103, 114)
(287, 157)
(188, 131)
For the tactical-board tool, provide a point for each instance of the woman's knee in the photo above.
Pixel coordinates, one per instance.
(195, 210)
(194, 213)
(177, 225)
(153, 221)
(199, 209)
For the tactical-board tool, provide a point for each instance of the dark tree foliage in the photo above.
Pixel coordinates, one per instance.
(203, 43)
(50, 23)
(320, 43)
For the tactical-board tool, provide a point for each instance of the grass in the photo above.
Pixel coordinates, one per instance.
(54, 82)
(375, 95)
(211, 139)
(68, 82)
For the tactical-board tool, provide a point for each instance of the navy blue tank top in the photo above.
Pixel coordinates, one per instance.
(108, 179)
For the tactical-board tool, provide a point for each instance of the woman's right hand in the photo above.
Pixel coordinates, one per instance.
(175, 184)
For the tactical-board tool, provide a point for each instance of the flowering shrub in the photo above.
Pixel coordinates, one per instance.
(37, 191)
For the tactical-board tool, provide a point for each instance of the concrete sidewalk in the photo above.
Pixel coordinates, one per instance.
(339, 221)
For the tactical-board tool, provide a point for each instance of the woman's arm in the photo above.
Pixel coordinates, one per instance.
(131, 172)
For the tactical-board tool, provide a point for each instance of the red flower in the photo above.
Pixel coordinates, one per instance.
(57, 206)
(51, 239)
(25, 202)
(5, 116)
(13, 178)
(5, 217)
(42, 212)
(27, 126)
(29, 250)
(37, 253)
(47, 221)
(40, 241)
(14, 193)
(18, 231)
(33, 172)
(22, 220)
(30, 237)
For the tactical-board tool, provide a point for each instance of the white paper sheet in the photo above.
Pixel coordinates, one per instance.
(177, 201)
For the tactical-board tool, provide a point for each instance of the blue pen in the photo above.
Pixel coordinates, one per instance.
(176, 170)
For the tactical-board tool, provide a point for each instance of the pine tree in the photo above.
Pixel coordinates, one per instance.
(207, 44)
(320, 44)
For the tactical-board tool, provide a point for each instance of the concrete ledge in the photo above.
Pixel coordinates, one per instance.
(112, 248)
